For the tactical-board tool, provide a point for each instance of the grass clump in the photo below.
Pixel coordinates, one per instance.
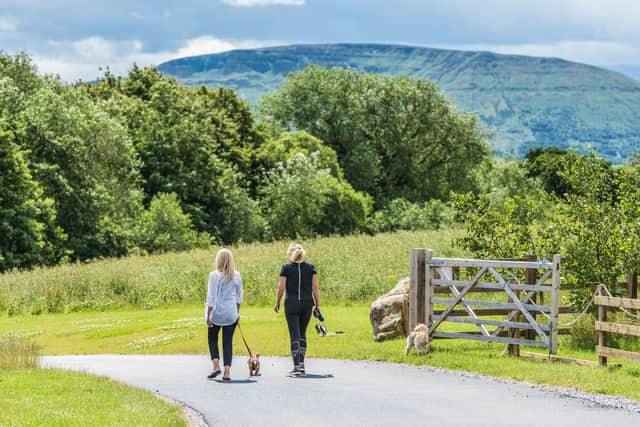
(583, 334)
(17, 352)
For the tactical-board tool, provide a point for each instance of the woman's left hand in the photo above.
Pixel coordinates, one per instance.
(209, 323)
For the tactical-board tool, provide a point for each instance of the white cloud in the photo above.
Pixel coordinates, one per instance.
(82, 59)
(615, 18)
(586, 51)
(203, 45)
(8, 24)
(251, 3)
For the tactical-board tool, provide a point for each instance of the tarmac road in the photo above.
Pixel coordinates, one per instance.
(347, 393)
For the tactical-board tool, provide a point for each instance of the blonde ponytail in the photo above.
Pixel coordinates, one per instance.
(296, 252)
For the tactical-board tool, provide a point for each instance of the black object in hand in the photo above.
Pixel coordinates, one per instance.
(316, 313)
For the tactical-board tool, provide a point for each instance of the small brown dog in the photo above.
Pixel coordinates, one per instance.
(254, 358)
(418, 338)
(254, 364)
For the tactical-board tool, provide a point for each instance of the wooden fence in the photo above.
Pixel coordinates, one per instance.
(606, 303)
(430, 276)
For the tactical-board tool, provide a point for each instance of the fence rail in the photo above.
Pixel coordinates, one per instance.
(605, 303)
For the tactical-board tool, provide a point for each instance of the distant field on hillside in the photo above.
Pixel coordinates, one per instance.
(527, 101)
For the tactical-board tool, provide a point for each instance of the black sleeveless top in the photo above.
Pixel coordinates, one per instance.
(299, 276)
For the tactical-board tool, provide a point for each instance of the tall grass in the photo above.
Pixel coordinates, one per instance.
(18, 353)
(351, 269)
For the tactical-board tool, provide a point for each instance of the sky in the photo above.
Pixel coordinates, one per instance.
(75, 38)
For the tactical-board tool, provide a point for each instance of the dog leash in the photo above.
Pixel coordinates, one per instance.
(244, 340)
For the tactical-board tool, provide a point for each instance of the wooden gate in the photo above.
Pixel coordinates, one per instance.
(430, 276)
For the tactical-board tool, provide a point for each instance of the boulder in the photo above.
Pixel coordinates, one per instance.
(389, 314)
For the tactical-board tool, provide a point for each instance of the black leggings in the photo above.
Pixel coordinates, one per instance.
(227, 342)
(298, 316)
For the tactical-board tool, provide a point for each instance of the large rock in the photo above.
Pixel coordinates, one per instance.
(389, 314)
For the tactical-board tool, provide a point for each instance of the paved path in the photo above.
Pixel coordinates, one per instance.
(347, 393)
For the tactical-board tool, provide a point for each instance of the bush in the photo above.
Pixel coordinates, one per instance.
(165, 227)
(400, 214)
(582, 334)
(303, 200)
(288, 144)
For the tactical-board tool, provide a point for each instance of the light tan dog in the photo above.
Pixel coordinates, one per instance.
(418, 338)
(254, 364)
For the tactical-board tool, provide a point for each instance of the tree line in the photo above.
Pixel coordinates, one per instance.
(141, 163)
(558, 201)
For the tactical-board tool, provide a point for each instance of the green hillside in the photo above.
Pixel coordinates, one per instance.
(526, 101)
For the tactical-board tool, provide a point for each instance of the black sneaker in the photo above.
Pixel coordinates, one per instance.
(301, 369)
(296, 372)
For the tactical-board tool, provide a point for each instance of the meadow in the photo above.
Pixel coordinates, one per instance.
(352, 269)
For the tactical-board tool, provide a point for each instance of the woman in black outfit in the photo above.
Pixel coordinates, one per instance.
(300, 280)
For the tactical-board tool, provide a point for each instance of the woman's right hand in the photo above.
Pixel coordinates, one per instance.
(276, 308)
(209, 323)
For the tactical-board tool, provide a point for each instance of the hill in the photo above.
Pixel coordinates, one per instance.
(526, 101)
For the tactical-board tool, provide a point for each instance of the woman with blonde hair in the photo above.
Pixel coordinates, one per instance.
(224, 295)
(300, 281)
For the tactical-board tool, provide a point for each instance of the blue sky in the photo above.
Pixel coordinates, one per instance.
(74, 38)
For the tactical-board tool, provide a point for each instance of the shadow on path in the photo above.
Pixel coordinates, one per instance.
(246, 381)
(312, 376)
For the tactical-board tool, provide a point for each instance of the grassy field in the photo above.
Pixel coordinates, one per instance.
(52, 397)
(180, 330)
(154, 305)
(352, 269)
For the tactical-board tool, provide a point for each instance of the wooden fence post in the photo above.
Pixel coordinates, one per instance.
(602, 335)
(428, 290)
(531, 277)
(514, 349)
(632, 286)
(555, 303)
(416, 287)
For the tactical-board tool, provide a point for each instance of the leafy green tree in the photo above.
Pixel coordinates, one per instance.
(589, 225)
(507, 177)
(394, 136)
(79, 153)
(27, 219)
(164, 227)
(86, 163)
(288, 145)
(547, 164)
(400, 214)
(628, 186)
(301, 200)
(508, 228)
(196, 143)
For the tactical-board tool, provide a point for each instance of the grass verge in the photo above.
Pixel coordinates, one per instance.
(38, 397)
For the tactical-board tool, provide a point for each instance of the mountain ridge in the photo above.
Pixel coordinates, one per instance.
(527, 101)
